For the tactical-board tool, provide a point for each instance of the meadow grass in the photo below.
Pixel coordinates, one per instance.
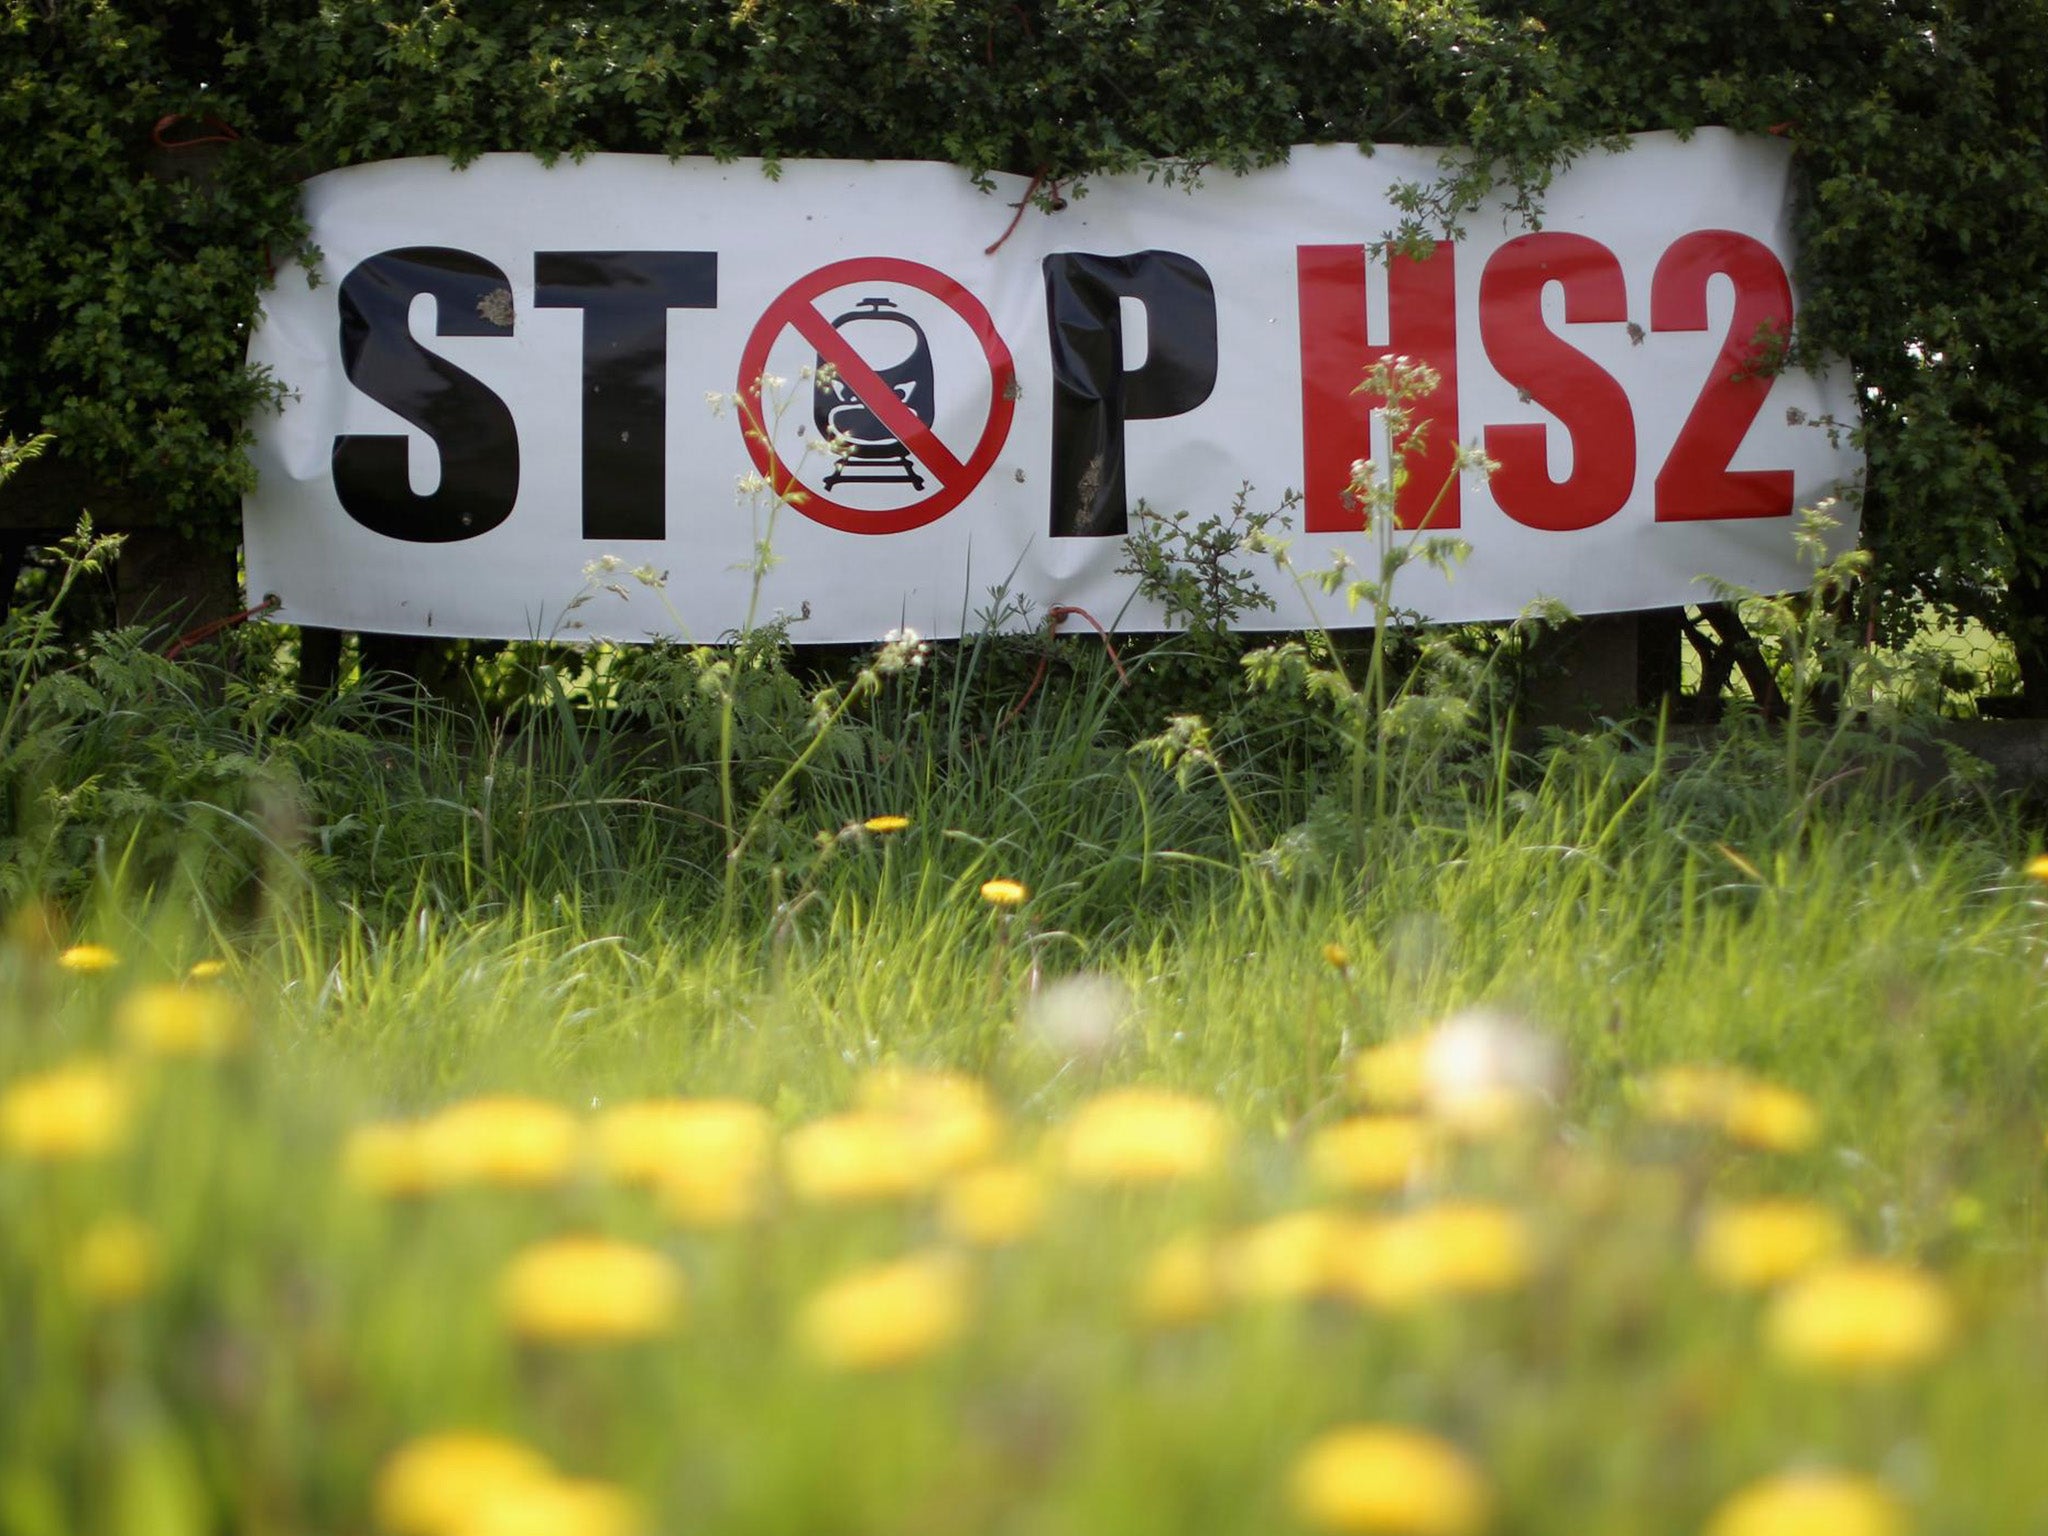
(269, 1261)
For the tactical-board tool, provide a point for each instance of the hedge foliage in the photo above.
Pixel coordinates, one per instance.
(128, 273)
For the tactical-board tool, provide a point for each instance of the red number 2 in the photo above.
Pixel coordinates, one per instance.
(1696, 483)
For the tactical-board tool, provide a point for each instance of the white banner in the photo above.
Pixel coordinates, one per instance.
(510, 371)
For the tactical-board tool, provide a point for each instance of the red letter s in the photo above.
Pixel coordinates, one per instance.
(1560, 378)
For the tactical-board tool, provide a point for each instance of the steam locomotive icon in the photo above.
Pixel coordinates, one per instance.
(894, 345)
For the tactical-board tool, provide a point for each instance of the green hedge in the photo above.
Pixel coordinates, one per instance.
(128, 274)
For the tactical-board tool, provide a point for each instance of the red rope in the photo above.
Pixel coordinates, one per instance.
(1054, 617)
(209, 630)
(222, 133)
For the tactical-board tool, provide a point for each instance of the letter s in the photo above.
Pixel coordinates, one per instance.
(470, 426)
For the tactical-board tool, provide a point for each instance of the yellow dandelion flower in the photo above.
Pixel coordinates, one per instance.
(207, 970)
(886, 1315)
(1393, 1075)
(1691, 1095)
(707, 1196)
(882, 826)
(1179, 1285)
(172, 1020)
(1771, 1119)
(1810, 1504)
(72, 1112)
(391, 1158)
(1289, 1258)
(1337, 957)
(553, 1507)
(861, 1156)
(1860, 1316)
(708, 1159)
(1650, 1197)
(88, 959)
(2037, 867)
(1370, 1153)
(511, 1142)
(117, 1261)
(951, 1114)
(1455, 1249)
(1385, 1480)
(993, 1205)
(1144, 1136)
(430, 1485)
(589, 1290)
(1751, 1246)
(1005, 893)
(649, 1141)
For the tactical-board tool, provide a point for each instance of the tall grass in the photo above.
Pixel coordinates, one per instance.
(419, 907)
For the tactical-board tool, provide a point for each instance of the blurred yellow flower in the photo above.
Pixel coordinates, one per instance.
(80, 1110)
(882, 826)
(1144, 1136)
(172, 1020)
(1369, 1152)
(552, 1507)
(428, 1486)
(859, 1156)
(1337, 957)
(993, 1205)
(1393, 1075)
(708, 1159)
(950, 1114)
(1810, 1504)
(1593, 1186)
(1691, 1094)
(118, 1260)
(886, 1314)
(1762, 1242)
(648, 1141)
(390, 1158)
(207, 970)
(589, 1290)
(1384, 1480)
(512, 1142)
(1005, 893)
(1179, 1285)
(88, 959)
(1771, 1119)
(1455, 1249)
(706, 1195)
(1861, 1315)
(2037, 867)
(1289, 1258)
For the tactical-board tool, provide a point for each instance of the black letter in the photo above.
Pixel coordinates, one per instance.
(1093, 395)
(471, 427)
(625, 297)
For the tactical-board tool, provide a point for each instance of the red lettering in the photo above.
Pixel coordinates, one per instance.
(1422, 323)
(1696, 483)
(1558, 377)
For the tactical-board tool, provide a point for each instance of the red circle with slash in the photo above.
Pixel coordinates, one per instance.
(955, 478)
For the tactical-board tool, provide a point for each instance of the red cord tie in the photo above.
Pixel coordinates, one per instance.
(209, 630)
(1054, 617)
(159, 135)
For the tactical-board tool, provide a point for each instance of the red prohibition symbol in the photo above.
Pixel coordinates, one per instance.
(953, 478)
